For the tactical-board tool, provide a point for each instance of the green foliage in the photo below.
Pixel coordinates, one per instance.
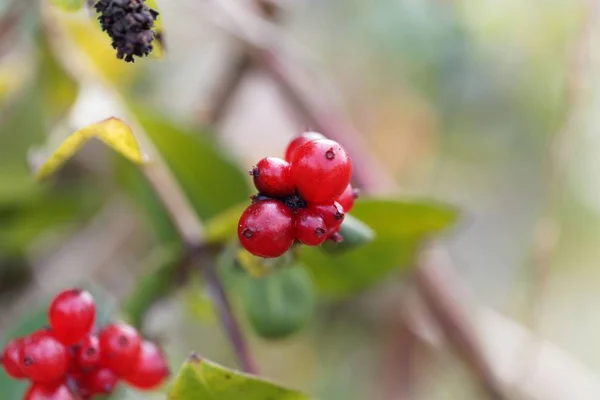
(212, 181)
(399, 227)
(200, 379)
(279, 303)
(68, 5)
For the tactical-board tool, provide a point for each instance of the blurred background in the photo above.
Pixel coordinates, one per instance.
(487, 106)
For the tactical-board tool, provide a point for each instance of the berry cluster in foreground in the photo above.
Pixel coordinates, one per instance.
(303, 197)
(68, 361)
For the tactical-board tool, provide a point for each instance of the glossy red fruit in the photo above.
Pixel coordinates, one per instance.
(299, 141)
(87, 353)
(100, 381)
(119, 347)
(272, 177)
(321, 169)
(43, 358)
(39, 391)
(266, 228)
(10, 359)
(347, 198)
(72, 315)
(333, 214)
(310, 227)
(151, 369)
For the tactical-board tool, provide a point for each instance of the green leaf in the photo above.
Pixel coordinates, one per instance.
(281, 303)
(68, 5)
(399, 227)
(200, 379)
(211, 180)
(355, 234)
(161, 265)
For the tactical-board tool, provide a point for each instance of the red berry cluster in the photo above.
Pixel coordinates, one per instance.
(67, 361)
(303, 197)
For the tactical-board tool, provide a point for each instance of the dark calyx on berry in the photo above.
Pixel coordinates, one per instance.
(130, 24)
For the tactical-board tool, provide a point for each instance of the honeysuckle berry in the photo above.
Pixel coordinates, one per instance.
(348, 197)
(321, 170)
(130, 24)
(272, 177)
(119, 347)
(101, 381)
(333, 214)
(299, 141)
(38, 391)
(266, 228)
(43, 358)
(87, 353)
(71, 315)
(10, 359)
(310, 227)
(151, 369)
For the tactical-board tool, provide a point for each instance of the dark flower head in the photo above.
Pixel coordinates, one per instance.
(130, 25)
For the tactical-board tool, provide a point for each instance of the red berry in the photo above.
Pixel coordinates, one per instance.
(310, 227)
(321, 170)
(272, 177)
(42, 358)
(10, 359)
(72, 315)
(333, 214)
(299, 141)
(87, 354)
(39, 391)
(119, 347)
(151, 369)
(266, 228)
(347, 198)
(100, 381)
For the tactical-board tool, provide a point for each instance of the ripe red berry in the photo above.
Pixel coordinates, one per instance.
(119, 347)
(87, 353)
(42, 358)
(72, 315)
(151, 369)
(310, 227)
(333, 214)
(100, 381)
(335, 236)
(266, 228)
(10, 359)
(321, 170)
(39, 391)
(272, 177)
(299, 141)
(347, 198)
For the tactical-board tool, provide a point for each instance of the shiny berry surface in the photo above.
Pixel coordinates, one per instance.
(119, 347)
(310, 227)
(321, 170)
(333, 214)
(347, 198)
(71, 315)
(272, 177)
(101, 381)
(48, 392)
(87, 353)
(266, 228)
(151, 369)
(10, 359)
(299, 141)
(43, 358)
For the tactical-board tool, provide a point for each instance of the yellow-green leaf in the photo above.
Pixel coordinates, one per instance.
(200, 379)
(113, 132)
(68, 5)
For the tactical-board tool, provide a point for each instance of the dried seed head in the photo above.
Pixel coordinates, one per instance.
(129, 23)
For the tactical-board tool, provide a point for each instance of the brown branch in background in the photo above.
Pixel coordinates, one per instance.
(10, 20)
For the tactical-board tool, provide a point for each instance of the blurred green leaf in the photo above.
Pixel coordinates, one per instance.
(354, 232)
(68, 5)
(280, 303)
(200, 379)
(160, 268)
(399, 227)
(223, 226)
(211, 180)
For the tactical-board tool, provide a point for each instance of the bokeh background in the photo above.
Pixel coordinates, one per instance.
(489, 106)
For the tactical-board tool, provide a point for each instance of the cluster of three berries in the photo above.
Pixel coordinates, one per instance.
(67, 361)
(303, 197)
